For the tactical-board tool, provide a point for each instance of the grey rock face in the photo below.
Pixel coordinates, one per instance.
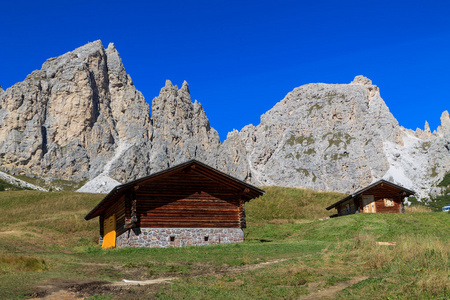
(322, 136)
(66, 120)
(81, 117)
(181, 131)
(337, 137)
(182, 126)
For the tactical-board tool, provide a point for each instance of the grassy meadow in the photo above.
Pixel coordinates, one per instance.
(46, 246)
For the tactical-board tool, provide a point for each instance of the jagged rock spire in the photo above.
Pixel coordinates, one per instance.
(445, 119)
(445, 123)
(168, 83)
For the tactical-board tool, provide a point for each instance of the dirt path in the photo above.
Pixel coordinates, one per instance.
(67, 290)
(127, 283)
(333, 290)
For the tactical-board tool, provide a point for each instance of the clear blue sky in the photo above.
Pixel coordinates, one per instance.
(241, 57)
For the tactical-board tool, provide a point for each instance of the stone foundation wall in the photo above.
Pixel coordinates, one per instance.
(178, 237)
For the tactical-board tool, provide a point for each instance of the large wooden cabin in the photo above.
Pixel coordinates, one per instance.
(189, 204)
(380, 197)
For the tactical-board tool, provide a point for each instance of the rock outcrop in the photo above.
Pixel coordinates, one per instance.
(322, 136)
(67, 119)
(181, 131)
(338, 137)
(81, 118)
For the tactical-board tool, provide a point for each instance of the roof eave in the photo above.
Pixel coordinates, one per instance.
(92, 214)
(340, 201)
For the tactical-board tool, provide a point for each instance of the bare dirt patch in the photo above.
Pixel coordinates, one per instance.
(69, 290)
(331, 291)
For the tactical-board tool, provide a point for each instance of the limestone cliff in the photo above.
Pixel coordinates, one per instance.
(322, 136)
(181, 131)
(337, 137)
(67, 119)
(81, 118)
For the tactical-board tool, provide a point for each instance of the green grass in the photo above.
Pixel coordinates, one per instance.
(21, 263)
(44, 240)
(290, 204)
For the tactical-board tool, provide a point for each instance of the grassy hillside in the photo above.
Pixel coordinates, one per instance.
(290, 204)
(46, 245)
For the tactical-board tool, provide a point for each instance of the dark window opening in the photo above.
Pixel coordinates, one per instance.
(206, 238)
(172, 238)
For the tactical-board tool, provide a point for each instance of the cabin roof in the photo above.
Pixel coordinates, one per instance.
(248, 191)
(379, 182)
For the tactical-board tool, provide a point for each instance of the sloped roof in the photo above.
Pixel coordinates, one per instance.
(379, 182)
(216, 175)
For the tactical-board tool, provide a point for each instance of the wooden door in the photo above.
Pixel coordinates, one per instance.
(368, 204)
(109, 232)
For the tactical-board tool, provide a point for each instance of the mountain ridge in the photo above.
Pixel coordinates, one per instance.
(81, 117)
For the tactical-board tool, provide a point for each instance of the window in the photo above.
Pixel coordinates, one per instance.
(388, 202)
(206, 238)
(172, 238)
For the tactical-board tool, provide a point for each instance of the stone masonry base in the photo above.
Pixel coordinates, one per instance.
(178, 237)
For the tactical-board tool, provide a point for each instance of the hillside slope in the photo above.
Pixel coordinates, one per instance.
(46, 247)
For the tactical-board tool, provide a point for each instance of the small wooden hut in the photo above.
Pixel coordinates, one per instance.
(380, 197)
(189, 204)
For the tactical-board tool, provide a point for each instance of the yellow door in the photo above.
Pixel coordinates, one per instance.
(368, 203)
(109, 232)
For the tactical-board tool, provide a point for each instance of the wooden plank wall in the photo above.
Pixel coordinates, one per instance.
(187, 200)
(381, 208)
(385, 192)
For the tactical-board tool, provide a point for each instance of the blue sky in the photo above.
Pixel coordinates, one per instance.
(241, 57)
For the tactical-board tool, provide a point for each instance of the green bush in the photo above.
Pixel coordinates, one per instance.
(445, 181)
(7, 186)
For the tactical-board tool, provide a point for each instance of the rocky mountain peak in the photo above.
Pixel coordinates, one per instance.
(323, 136)
(64, 120)
(175, 117)
(168, 83)
(80, 117)
(445, 124)
(427, 127)
(445, 119)
(115, 65)
(362, 80)
(185, 87)
(425, 133)
(111, 47)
